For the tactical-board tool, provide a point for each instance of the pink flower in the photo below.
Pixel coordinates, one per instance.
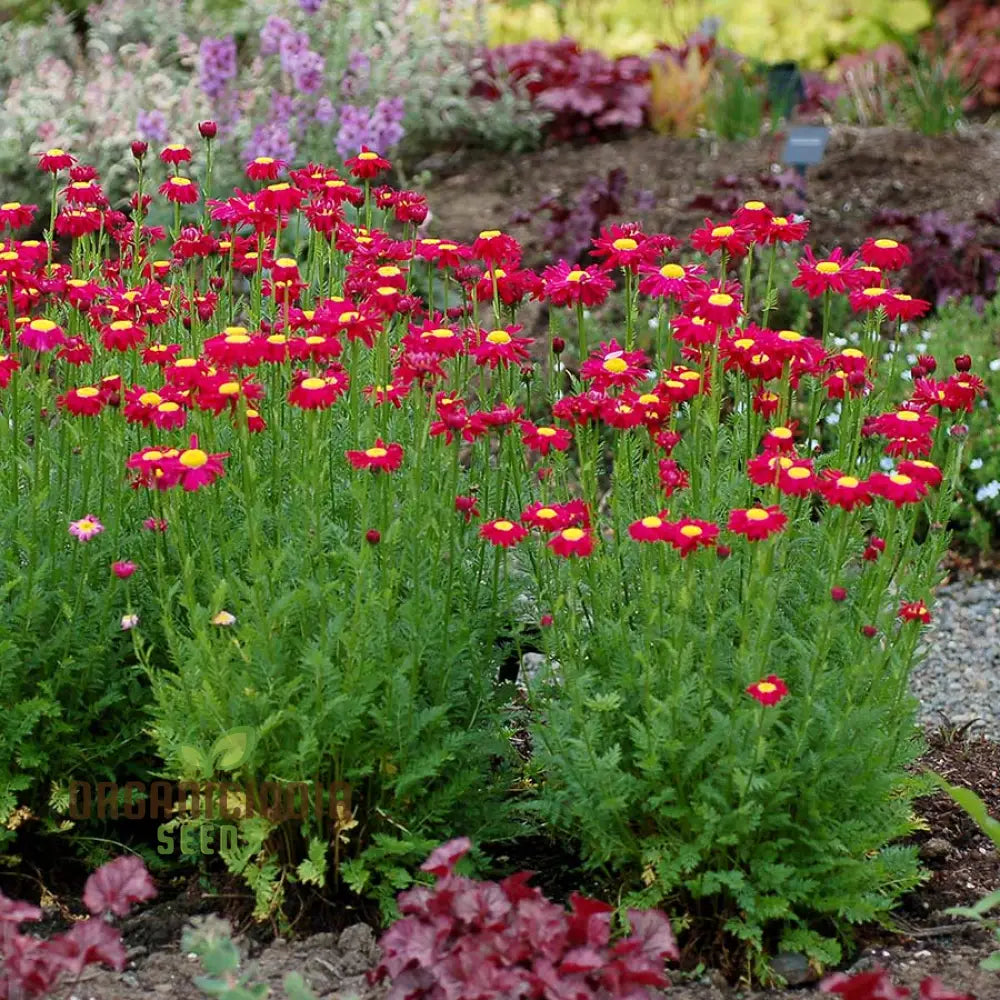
(86, 528)
(123, 569)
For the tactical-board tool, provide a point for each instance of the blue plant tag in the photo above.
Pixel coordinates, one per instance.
(805, 145)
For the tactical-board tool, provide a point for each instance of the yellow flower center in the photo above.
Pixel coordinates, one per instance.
(573, 534)
(757, 514)
(546, 432)
(546, 513)
(388, 271)
(720, 299)
(387, 290)
(85, 525)
(229, 389)
(193, 458)
(448, 246)
(238, 338)
(314, 339)
(649, 399)
(625, 243)
(691, 531)
(278, 187)
(907, 416)
(168, 407)
(42, 325)
(286, 262)
(576, 275)
(368, 156)
(55, 151)
(180, 181)
(754, 206)
(88, 392)
(766, 687)
(779, 220)
(900, 480)
(852, 352)
(873, 293)
(489, 234)
(264, 161)
(799, 472)
(886, 244)
(313, 383)
(674, 384)
(503, 526)
(782, 433)
(903, 297)
(376, 452)
(122, 324)
(689, 376)
(152, 456)
(924, 465)
(615, 365)
(790, 336)
(498, 337)
(277, 338)
(760, 359)
(651, 522)
(721, 232)
(10, 206)
(827, 267)
(150, 399)
(848, 482)
(744, 343)
(672, 271)
(440, 334)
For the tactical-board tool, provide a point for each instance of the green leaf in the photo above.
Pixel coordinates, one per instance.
(975, 807)
(193, 762)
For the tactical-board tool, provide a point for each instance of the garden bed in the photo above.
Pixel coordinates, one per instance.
(864, 171)
(963, 867)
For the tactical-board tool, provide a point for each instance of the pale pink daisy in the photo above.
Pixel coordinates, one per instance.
(86, 528)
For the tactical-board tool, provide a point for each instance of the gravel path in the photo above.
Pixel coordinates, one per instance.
(960, 675)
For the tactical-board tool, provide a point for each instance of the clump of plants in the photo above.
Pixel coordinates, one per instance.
(300, 472)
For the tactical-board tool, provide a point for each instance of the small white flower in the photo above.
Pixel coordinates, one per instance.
(840, 342)
(920, 348)
(653, 323)
(833, 419)
(989, 492)
(906, 376)
(129, 622)
(911, 359)
(223, 618)
(886, 463)
(995, 365)
(976, 463)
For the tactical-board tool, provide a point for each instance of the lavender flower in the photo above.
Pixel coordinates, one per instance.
(307, 76)
(292, 47)
(270, 140)
(325, 111)
(311, 6)
(274, 30)
(217, 64)
(152, 126)
(380, 129)
(356, 77)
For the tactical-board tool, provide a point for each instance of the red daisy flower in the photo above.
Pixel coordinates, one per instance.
(757, 523)
(719, 308)
(381, 456)
(914, 611)
(674, 281)
(780, 229)
(550, 517)
(627, 246)
(194, 468)
(906, 422)
(8, 365)
(844, 491)
(905, 307)
(174, 154)
(41, 335)
(925, 472)
(55, 159)
(501, 347)
(494, 247)
(544, 439)
(367, 164)
(769, 691)
(689, 534)
(264, 168)
(888, 255)
(654, 528)
(611, 365)
(898, 487)
(834, 273)
(503, 532)
(672, 477)
(314, 393)
(181, 190)
(564, 284)
(14, 215)
(734, 239)
(572, 542)
(86, 401)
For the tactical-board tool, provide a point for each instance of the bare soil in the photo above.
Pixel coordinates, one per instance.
(864, 171)
(962, 863)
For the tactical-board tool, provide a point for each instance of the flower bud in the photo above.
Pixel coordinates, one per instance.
(838, 594)
(208, 129)
(546, 621)
(963, 363)
(927, 361)
(869, 630)
(373, 537)
(918, 371)
(558, 345)
(723, 551)
(139, 149)
(959, 431)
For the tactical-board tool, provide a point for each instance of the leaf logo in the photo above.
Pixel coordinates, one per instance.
(230, 751)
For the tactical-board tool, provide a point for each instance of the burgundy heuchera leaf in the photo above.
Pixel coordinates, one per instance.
(444, 858)
(117, 885)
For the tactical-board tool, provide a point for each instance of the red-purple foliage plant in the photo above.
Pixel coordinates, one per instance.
(462, 938)
(32, 966)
